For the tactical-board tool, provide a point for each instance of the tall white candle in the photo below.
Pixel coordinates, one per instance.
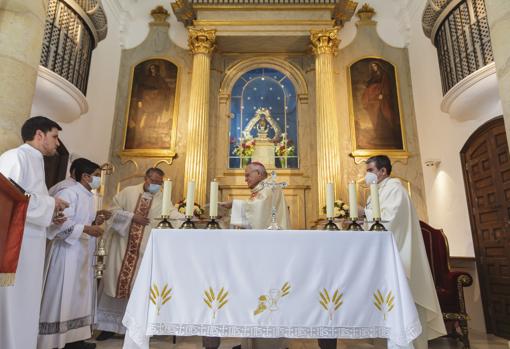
(374, 193)
(213, 199)
(330, 200)
(353, 201)
(167, 197)
(190, 198)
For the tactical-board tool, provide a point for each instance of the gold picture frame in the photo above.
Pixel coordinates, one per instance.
(150, 125)
(375, 112)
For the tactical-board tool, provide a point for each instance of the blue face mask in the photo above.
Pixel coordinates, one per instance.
(96, 182)
(154, 188)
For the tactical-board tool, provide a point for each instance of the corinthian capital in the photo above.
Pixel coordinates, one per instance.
(324, 40)
(201, 40)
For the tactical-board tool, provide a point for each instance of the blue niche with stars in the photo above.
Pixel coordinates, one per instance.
(263, 88)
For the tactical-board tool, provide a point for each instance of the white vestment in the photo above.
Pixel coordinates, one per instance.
(66, 183)
(111, 308)
(20, 304)
(397, 209)
(255, 213)
(66, 308)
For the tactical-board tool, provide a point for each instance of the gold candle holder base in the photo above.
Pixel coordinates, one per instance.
(188, 224)
(165, 223)
(330, 225)
(212, 224)
(354, 225)
(377, 226)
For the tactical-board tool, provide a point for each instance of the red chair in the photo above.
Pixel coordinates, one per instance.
(449, 284)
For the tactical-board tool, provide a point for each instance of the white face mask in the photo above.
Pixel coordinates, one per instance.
(154, 188)
(96, 182)
(370, 178)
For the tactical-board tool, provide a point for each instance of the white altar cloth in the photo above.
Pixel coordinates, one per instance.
(268, 284)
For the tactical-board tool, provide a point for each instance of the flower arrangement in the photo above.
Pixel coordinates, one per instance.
(284, 146)
(197, 209)
(244, 147)
(340, 209)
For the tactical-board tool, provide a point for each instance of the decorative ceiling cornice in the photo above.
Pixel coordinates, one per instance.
(186, 10)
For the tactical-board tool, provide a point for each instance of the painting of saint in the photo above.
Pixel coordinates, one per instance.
(375, 105)
(151, 106)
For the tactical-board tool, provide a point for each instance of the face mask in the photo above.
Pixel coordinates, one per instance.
(154, 188)
(96, 182)
(370, 178)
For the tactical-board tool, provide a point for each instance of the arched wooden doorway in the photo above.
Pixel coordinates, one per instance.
(486, 167)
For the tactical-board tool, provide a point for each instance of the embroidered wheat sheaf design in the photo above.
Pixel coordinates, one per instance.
(215, 301)
(331, 304)
(384, 302)
(160, 298)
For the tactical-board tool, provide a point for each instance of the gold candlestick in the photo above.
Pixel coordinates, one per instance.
(212, 224)
(354, 225)
(188, 223)
(330, 225)
(377, 226)
(165, 223)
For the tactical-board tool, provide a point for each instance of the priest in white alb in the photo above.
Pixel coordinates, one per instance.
(399, 215)
(135, 212)
(20, 303)
(256, 213)
(67, 303)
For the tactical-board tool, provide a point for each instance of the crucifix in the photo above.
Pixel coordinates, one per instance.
(275, 186)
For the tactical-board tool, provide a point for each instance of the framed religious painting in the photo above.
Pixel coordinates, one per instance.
(375, 112)
(152, 110)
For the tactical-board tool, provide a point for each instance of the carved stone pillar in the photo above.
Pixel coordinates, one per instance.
(21, 34)
(201, 44)
(325, 43)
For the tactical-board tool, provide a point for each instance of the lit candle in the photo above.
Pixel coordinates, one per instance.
(213, 197)
(190, 198)
(374, 193)
(353, 201)
(330, 200)
(167, 197)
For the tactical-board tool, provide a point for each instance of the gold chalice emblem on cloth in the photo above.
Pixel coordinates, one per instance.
(270, 301)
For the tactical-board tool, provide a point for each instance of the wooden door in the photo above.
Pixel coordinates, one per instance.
(486, 166)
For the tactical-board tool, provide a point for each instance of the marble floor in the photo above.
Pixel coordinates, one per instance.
(478, 341)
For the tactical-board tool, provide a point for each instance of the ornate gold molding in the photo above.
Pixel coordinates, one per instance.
(324, 41)
(201, 40)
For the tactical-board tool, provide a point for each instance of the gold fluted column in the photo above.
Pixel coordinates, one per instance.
(325, 44)
(21, 35)
(201, 44)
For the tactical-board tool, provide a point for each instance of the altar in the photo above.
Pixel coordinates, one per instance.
(270, 284)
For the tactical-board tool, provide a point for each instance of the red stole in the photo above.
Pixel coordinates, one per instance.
(128, 268)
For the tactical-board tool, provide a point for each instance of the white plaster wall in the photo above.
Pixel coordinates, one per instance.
(89, 136)
(441, 137)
